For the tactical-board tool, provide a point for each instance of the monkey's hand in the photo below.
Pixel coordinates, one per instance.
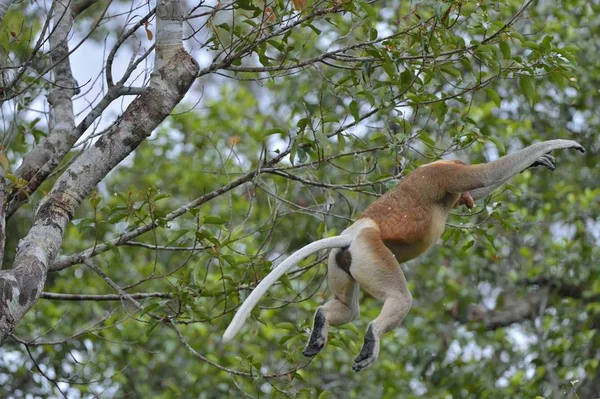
(466, 200)
(549, 161)
(545, 160)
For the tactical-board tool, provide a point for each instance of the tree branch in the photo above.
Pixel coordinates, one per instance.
(21, 286)
(512, 313)
(79, 6)
(521, 310)
(45, 156)
(100, 298)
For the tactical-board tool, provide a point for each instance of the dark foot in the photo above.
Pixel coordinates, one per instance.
(318, 337)
(369, 352)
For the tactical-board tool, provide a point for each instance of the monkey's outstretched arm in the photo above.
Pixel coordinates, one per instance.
(482, 179)
(250, 302)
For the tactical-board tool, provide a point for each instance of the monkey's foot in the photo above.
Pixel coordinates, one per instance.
(318, 337)
(369, 352)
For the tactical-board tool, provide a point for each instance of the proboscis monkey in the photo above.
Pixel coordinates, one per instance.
(397, 227)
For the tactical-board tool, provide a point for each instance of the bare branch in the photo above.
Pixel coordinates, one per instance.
(100, 298)
(120, 41)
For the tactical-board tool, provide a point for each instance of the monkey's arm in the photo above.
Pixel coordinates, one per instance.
(480, 180)
(545, 160)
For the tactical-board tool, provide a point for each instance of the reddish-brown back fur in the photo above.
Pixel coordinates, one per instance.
(412, 216)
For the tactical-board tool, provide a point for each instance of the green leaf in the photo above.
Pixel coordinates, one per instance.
(151, 327)
(495, 97)
(424, 137)
(230, 259)
(275, 130)
(440, 9)
(369, 10)
(546, 44)
(468, 245)
(286, 325)
(505, 49)
(203, 234)
(211, 219)
(440, 109)
(559, 79)
(571, 48)
(285, 280)
(450, 70)
(498, 144)
(302, 123)
(527, 85)
(378, 135)
(468, 8)
(317, 31)
(390, 68)
(354, 111)
(149, 308)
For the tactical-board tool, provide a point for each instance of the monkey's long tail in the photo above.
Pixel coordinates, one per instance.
(250, 302)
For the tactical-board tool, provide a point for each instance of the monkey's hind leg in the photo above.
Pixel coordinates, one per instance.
(379, 273)
(341, 309)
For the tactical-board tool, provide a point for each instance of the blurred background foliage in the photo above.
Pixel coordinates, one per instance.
(506, 307)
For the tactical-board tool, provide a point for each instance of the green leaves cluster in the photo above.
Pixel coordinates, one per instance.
(347, 101)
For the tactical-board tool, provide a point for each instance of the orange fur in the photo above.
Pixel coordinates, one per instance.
(412, 216)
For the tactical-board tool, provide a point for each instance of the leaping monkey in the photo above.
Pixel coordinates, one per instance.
(397, 227)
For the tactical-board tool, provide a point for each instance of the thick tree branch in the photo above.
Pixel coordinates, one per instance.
(45, 156)
(512, 313)
(21, 286)
(51, 150)
(521, 310)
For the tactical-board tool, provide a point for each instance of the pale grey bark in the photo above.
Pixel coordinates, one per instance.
(21, 286)
(4, 4)
(45, 156)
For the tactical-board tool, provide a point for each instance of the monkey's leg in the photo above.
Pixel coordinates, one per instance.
(341, 309)
(376, 269)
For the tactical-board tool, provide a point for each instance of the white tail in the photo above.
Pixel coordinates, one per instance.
(244, 310)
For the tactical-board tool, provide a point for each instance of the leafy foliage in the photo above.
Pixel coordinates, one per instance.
(313, 110)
